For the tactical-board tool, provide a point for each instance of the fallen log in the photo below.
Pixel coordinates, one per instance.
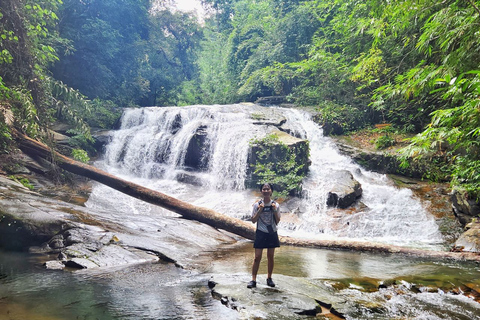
(213, 218)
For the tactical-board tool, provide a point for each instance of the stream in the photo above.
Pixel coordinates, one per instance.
(162, 291)
(150, 148)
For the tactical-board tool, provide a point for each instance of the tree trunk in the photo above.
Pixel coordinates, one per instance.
(215, 219)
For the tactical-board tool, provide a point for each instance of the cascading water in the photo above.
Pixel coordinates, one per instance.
(151, 148)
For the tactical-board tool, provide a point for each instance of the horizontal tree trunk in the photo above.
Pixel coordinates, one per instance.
(213, 218)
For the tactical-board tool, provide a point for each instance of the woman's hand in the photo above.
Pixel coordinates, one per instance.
(261, 205)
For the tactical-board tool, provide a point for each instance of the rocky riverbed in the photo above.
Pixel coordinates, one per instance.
(51, 222)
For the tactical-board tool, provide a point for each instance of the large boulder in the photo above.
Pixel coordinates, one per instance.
(345, 191)
(464, 209)
(381, 162)
(197, 156)
(278, 154)
(470, 239)
(22, 224)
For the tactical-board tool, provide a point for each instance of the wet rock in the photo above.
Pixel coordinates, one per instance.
(101, 139)
(470, 239)
(292, 298)
(80, 263)
(345, 191)
(196, 155)
(62, 256)
(189, 178)
(332, 128)
(27, 222)
(46, 225)
(464, 209)
(278, 153)
(44, 248)
(271, 100)
(176, 124)
(270, 119)
(387, 283)
(57, 242)
(211, 284)
(54, 265)
(380, 162)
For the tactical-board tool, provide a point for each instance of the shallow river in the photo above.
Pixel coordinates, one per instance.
(162, 291)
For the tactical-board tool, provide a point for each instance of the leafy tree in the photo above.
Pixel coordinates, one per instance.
(170, 56)
(102, 60)
(27, 38)
(27, 44)
(214, 83)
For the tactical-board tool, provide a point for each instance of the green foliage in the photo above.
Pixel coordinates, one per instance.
(168, 65)
(102, 59)
(80, 155)
(23, 181)
(79, 140)
(384, 142)
(5, 135)
(455, 132)
(346, 117)
(104, 114)
(215, 83)
(69, 105)
(259, 34)
(285, 172)
(24, 110)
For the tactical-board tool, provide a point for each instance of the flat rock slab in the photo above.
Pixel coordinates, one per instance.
(89, 238)
(291, 298)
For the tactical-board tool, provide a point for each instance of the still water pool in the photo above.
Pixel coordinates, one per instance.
(422, 290)
(149, 291)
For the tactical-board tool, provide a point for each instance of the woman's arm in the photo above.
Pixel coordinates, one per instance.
(276, 212)
(257, 209)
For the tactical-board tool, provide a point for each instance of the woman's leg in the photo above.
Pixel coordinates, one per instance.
(256, 263)
(270, 257)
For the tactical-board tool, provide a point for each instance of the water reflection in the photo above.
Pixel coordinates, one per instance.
(422, 290)
(151, 291)
(329, 264)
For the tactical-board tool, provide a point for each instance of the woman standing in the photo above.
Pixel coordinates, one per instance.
(266, 213)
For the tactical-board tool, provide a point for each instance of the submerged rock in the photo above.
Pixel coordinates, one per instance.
(54, 265)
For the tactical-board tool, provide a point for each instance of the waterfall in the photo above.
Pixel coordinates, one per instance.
(150, 148)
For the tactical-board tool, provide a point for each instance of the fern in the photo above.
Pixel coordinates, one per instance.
(69, 104)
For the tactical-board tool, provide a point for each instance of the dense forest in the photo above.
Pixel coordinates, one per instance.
(414, 65)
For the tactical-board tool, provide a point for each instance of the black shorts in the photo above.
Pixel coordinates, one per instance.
(266, 240)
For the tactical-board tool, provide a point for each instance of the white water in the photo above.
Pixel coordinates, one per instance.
(150, 149)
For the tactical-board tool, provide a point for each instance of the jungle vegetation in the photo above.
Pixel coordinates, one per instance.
(412, 64)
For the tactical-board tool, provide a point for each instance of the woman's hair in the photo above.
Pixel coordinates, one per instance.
(269, 184)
